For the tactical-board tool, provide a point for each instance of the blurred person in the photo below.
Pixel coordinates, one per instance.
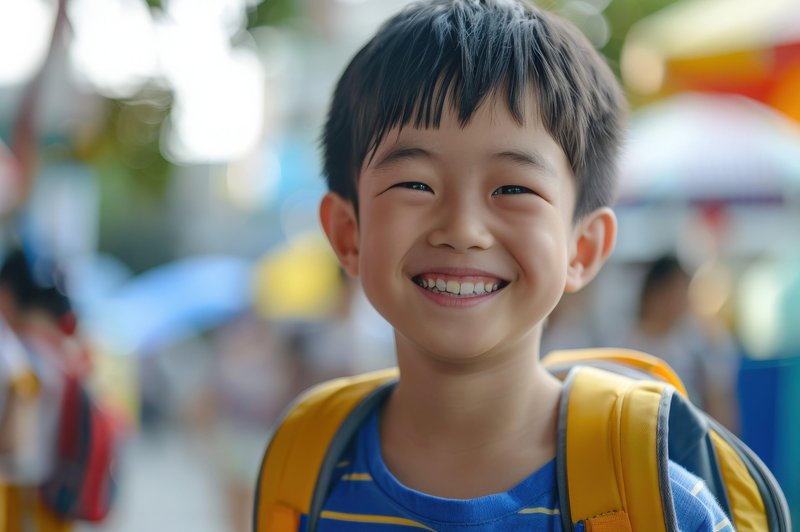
(354, 338)
(254, 377)
(39, 317)
(470, 156)
(68, 441)
(701, 351)
(571, 325)
(37, 321)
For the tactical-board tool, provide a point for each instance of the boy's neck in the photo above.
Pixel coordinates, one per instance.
(500, 409)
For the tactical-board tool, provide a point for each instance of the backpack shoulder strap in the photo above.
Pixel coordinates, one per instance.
(612, 457)
(755, 498)
(636, 363)
(296, 455)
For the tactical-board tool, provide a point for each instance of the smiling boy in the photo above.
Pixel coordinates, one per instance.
(470, 153)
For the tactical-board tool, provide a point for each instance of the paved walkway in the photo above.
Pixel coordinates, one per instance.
(166, 485)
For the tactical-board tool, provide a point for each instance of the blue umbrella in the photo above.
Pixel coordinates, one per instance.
(173, 301)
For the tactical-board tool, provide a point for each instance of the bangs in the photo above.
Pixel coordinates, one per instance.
(460, 60)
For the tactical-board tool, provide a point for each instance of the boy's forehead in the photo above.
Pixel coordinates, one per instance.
(493, 111)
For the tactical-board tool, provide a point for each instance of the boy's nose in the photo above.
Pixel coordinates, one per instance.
(461, 228)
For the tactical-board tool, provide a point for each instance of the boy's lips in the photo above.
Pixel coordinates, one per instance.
(459, 282)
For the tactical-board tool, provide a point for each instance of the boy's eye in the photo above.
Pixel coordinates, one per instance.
(512, 189)
(414, 185)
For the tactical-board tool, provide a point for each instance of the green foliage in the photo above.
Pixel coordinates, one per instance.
(133, 177)
(272, 13)
(129, 141)
(621, 15)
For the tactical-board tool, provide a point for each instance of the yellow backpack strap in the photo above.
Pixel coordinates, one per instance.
(635, 363)
(612, 459)
(301, 449)
(755, 498)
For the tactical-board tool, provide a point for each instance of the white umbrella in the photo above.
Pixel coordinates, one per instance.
(710, 148)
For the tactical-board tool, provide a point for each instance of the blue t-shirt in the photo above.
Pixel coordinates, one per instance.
(366, 497)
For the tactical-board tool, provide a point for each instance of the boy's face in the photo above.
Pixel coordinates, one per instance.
(465, 240)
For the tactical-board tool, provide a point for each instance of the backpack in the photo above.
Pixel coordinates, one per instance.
(623, 416)
(82, 484)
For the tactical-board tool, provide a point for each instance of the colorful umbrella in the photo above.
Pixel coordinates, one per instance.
(732, 46)
(299, 280)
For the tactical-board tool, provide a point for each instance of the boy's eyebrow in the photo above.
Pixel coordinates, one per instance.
(401, 153)
(523, 158)
(520, 157)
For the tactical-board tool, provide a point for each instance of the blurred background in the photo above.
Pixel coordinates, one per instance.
(159, 166)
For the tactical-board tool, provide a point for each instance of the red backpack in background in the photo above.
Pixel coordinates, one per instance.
(81, 485)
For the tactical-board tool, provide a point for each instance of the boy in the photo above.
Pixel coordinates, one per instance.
(470, 153)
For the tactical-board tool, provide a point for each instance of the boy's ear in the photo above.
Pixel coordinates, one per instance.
(593, 241)
(338, 219)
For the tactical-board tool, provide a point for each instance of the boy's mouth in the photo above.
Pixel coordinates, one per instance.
(471, 286)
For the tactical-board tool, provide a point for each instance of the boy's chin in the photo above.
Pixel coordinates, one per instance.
(463, 352)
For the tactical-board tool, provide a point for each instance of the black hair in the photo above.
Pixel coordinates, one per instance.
(29, 291)
(16, 276)
(458, 53)
(659, 273)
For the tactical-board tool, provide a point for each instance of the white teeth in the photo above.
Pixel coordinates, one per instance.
(456, 288)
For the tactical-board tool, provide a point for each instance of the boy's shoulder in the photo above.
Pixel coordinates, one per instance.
(329, 409)
(306, 445)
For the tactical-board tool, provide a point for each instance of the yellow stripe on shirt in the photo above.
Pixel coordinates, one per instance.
(722, 525)
(540, 510)
(357, 476)
(378, 519)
